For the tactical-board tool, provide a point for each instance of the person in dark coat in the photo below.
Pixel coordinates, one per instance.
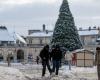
(37, 59)
(97, 61)
(45, 57)
(56, 58)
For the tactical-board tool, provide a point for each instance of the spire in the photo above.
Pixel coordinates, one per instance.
(64, 7)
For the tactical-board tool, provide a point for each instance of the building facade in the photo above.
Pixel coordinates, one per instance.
(20, 51)
(88, 38)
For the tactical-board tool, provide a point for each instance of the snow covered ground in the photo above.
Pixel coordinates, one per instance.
(76, 73)
(80, 73)
(11, 74)
(33, 72)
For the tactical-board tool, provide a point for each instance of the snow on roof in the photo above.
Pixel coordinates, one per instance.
(98, 39)
(80, 50)
(88, 32)
(18, 37)
(42, 34)
(5, 36)
(81, 33)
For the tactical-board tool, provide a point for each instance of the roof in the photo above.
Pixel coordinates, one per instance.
(18, 37)
(5, 36)
(98, 39)
(88, 32)
(41, 34)
(50, 33)
(81, 50)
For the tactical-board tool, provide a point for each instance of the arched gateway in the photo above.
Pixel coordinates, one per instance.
(20, 55)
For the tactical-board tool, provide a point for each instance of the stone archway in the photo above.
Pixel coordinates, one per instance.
(20, 55)
(1, 55)
(10, 55)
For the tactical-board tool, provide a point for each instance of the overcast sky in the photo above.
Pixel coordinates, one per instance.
(21, 15)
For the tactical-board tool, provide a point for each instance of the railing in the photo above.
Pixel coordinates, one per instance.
(20, 45)
(35, 45)
(9, 46)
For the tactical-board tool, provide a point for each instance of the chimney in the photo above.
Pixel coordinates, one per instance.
(44, 27)
(46, 31)
(89, 28)
(94, 27)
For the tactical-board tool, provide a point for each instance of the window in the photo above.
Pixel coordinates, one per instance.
(30, 41)
(41, 41)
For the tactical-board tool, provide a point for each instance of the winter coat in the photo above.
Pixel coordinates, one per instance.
(44, 55)
(74, 56)
(56, 54)
(68, 56)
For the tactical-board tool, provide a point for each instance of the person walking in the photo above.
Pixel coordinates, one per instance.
(56, 58)
(45, 57)
(37, 59)
(9, 60)
(97, 61)
(68, 57)
(74, 59)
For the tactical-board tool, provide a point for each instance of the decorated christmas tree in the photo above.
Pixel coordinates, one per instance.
(65, 32)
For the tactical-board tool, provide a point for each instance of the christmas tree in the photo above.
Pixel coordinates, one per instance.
(65, 32)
